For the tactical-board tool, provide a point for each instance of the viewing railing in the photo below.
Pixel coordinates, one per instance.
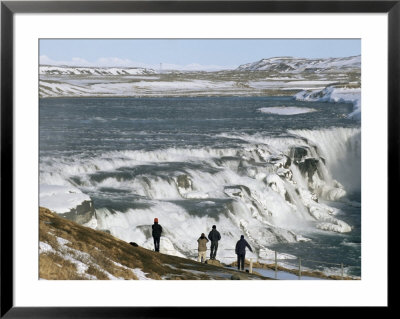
(298, 271)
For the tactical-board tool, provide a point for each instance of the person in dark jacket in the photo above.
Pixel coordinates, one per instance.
(214, 236)
(156, 233)
(240, 251)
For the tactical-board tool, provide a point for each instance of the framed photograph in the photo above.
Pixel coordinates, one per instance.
(160, 157)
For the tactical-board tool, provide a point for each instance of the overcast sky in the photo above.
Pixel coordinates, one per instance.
(191, 54)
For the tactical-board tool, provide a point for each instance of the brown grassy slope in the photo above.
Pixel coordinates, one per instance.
(69, 251)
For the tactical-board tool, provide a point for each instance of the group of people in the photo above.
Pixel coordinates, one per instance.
(214, 236)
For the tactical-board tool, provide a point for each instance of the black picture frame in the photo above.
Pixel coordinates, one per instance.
(9, 8)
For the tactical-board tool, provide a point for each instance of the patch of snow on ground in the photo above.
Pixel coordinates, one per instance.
(62, 241)
(45, 248)
(140, 274)
(81, 268)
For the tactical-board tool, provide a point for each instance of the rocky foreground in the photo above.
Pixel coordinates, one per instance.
(69, 251)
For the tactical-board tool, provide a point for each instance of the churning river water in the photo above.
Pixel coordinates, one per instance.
(284, 173)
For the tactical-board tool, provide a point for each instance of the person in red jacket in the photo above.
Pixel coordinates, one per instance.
(156, 233)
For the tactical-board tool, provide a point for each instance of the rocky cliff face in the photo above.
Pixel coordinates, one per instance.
(82, 213)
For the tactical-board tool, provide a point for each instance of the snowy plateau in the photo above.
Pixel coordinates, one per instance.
(268, 77)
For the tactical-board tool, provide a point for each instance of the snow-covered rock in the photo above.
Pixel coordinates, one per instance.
(67, 201)
(335, 95)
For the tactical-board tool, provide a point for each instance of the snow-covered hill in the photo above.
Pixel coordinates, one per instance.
(69, 70)
(274, 76)
(297, 65)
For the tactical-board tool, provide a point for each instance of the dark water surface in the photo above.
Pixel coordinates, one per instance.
(75, 125)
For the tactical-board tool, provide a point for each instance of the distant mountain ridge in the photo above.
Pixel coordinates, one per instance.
(79, 70)
(297, 65)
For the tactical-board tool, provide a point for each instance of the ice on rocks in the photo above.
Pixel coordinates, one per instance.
(60, 198)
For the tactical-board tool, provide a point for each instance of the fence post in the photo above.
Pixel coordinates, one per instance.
(341, 265)
(251, 266)
(276, 265)
(299, 268)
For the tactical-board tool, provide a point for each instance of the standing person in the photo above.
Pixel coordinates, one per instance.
(214, 236)
(202, 248)
(156, 233)
(240, 251)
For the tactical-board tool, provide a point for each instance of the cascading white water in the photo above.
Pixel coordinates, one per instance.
(341, 148)
(267, 197)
